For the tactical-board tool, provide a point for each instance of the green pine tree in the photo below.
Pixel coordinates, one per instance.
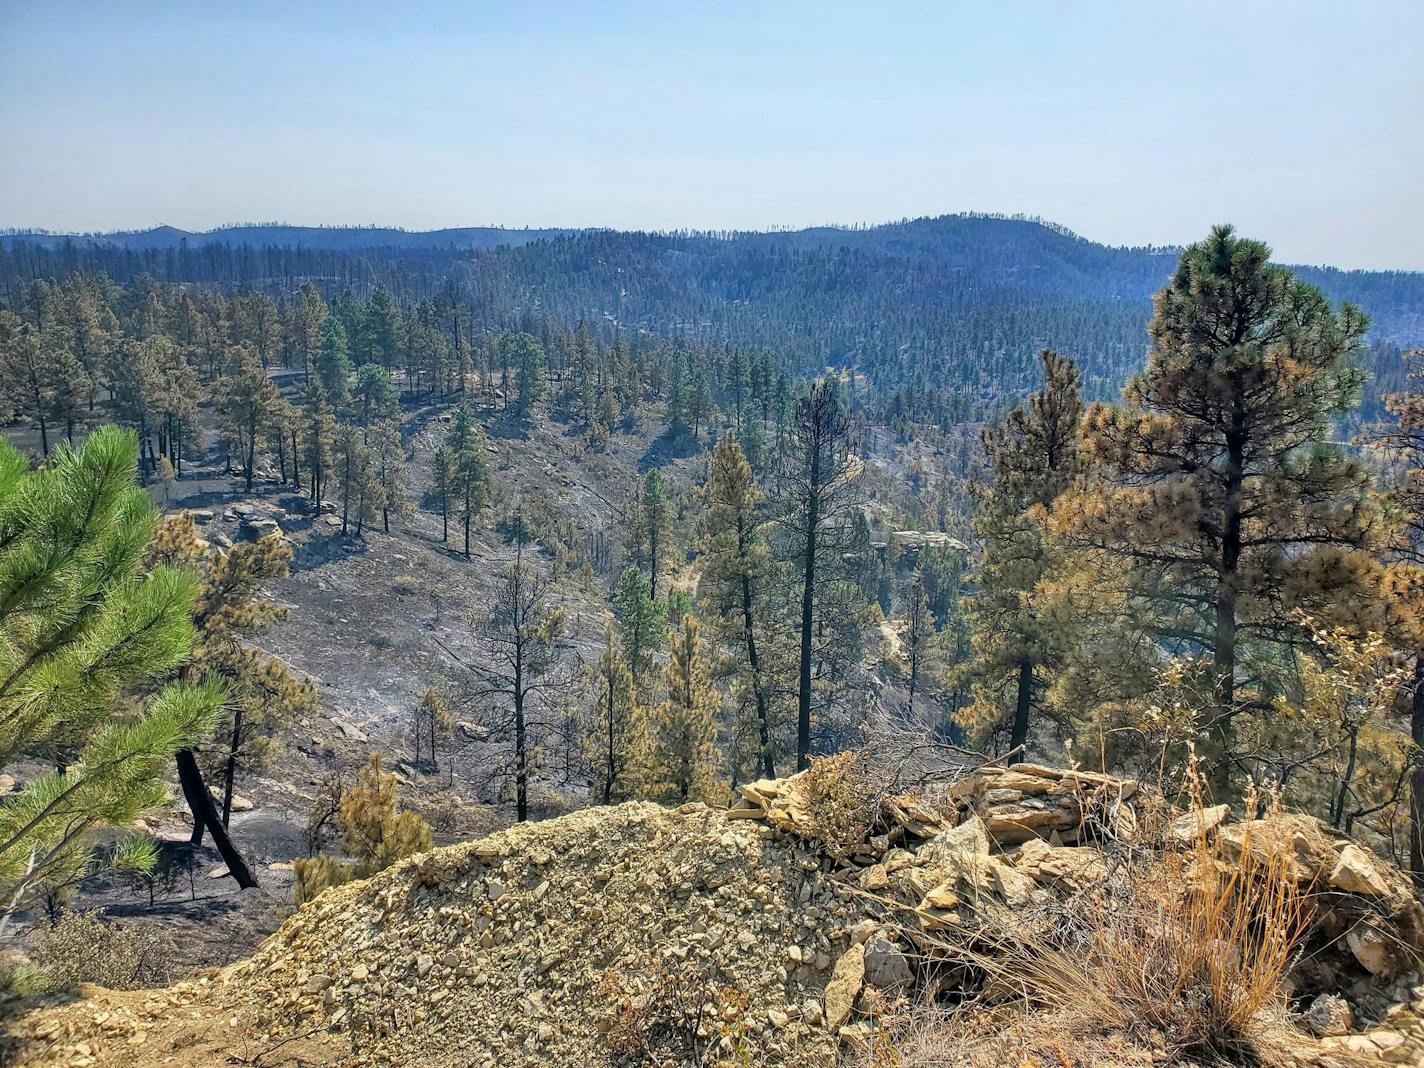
(81, 630)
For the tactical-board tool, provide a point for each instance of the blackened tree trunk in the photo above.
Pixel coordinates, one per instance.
(1219, 730)
(521, 757)
(808, 604)
(1416, 775)
(1023, 706)
(768, 759)
(205, 815)
(230, 770)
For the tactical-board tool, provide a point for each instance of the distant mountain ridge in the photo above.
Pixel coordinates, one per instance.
(1034, 244)
(327, 238)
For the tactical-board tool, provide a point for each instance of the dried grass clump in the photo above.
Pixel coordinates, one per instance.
(86, 948)
(844, 795)
(662, 1015)
(1179, 953)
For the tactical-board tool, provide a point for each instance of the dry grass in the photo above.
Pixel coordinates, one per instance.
(1179, 955)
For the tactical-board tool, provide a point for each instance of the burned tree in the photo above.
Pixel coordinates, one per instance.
(521, 660)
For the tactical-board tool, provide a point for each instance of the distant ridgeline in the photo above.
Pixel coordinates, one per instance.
(943, 317)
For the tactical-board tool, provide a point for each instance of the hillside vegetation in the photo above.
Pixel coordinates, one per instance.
(757, 580)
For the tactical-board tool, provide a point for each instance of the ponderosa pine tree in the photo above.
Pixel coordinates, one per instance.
(333, 363)
(735, 559)
(245, 400)
(461, 476)
(679, 759)
(816, 495)
(1403, 590)
(650, 528)
(376, 832)
(1034, 457)
(472, 481)
(81, 630)
(265, 697)
(29, 386)
(641, 621)
(318, 440)
(1217, 486)
(919, 639)
(362, 493)
(525, 355)
(613, 731)
(431, 723)
(384, 329)
(442, 483)
(374, 395)
(304, 328)
(174, 403)
(523, 662)
(387, 450)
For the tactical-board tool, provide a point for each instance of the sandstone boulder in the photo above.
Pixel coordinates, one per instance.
(886, 967)
(846, 981)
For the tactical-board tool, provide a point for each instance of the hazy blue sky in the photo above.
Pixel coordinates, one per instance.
(1132, 123)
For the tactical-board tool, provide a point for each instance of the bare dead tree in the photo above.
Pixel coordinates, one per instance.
(522, 660)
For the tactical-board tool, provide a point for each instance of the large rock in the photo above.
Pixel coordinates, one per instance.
(1071, 868)
(846, 981)
(886, 967)
(1027, 801)
(1329, 1014)
(1199, 823)
(255, 528)
(1357, 872)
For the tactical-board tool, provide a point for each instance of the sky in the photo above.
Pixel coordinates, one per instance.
(1131, 123)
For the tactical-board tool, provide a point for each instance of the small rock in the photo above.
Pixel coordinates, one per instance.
(1372, 948)
(1328, 1015)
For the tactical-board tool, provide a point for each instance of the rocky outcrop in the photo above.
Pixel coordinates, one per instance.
(557, 942)
(1366, 908)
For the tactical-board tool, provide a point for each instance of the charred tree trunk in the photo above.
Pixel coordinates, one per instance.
(1023, 706)
(1416, 775)
(1219, 729)
(230, 770)
(768, 760)
(808, 606)
(205, 815)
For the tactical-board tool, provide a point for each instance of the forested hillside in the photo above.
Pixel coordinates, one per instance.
(942, 316)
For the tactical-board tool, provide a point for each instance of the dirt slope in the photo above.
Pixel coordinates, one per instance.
(525, 948)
